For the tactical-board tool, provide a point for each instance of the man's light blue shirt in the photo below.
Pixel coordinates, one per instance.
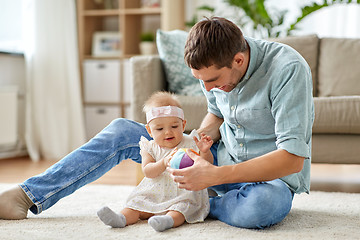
(271, 108)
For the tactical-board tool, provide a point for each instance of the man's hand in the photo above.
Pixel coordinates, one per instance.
(210, 126)
(197, 177)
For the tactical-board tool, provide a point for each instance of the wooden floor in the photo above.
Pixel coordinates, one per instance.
(324, 177)
(16, 170)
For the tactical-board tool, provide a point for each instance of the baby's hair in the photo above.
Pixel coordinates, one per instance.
(161, 99)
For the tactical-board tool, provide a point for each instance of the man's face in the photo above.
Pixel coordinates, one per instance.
(224, 78)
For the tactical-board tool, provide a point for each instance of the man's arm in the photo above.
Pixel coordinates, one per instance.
(210, 126)
(270, 166)
(273, 165)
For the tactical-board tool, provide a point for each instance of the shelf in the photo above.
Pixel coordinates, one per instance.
(101, 13)
(141, 11)
(122, 56)
(130, 19)
(117, 12)
(125, 104)
(130, 55)
(89, 57)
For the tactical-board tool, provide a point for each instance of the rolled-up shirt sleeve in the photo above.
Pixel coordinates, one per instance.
(292, 108)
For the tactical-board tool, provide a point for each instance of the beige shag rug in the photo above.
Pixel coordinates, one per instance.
(320, 215)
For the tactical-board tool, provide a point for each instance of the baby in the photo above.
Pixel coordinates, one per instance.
(158, 197)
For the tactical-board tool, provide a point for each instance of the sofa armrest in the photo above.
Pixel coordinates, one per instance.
(147, 77)
(195, 109)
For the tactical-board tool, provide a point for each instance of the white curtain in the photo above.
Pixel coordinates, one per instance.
(340, 20)
(54, 115)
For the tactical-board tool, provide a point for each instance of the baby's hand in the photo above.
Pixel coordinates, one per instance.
(205, 142)
(169, 156)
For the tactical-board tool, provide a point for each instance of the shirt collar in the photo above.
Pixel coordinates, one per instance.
(253, 58)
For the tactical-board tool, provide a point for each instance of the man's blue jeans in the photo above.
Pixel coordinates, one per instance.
(251, 205)
(119, 141)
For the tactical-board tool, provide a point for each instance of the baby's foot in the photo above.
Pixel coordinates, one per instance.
(161, 223)
(14, 204)
(110, 218)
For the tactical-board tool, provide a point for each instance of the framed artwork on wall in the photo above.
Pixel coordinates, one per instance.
(106, 44)
(150, 3)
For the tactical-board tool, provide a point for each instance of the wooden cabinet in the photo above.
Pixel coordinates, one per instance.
(126, 18)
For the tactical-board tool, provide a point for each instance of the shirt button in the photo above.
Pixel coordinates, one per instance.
(241, 144)
(232, 108)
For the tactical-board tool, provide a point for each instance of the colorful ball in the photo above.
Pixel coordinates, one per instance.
(181, 159)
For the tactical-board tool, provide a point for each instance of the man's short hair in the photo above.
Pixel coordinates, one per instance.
(213, 41)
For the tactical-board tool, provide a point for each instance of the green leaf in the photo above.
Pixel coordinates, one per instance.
(256, 11)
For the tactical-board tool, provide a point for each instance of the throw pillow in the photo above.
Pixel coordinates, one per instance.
(339, 69)
(171, 46)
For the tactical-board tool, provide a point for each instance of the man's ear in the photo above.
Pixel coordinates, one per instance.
(184, 124)
(239, 59)
(148, 129)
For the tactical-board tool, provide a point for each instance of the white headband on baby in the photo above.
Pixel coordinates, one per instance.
(166, 111)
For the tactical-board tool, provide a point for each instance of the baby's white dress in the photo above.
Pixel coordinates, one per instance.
(161, 194)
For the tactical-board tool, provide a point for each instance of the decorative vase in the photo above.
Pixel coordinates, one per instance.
(147, 48)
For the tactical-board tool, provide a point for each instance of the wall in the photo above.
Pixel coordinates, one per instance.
(12, 69)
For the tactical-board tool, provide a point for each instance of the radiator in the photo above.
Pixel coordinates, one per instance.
(8, 117)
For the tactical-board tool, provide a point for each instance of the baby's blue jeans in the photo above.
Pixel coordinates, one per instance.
(248, 205)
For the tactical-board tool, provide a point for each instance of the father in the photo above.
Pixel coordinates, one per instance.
(260, 109)
(259, 96)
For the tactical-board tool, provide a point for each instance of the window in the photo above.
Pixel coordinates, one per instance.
(10, 26)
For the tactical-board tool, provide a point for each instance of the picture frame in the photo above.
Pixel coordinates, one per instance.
(150, 3)
(106, 44)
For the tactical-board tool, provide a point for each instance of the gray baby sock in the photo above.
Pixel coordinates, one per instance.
(110, 218)
(161, 223)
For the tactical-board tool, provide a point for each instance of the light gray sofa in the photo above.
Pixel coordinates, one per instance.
(335, 65)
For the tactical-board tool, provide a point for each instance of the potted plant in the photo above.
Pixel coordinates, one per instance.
(269, 25)
(147, 44)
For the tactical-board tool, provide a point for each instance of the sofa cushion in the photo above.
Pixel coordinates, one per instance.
(339, 67)
(337, 115)
(171, 46)
(308, 47)
(335, 148)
